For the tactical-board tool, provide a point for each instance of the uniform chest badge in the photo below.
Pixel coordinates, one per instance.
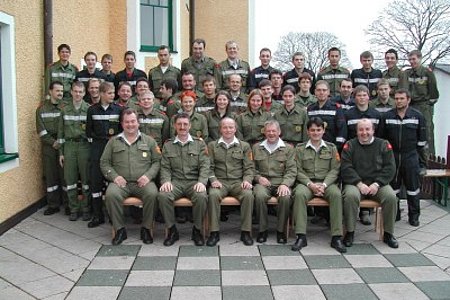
(298, 128)
(144, 154)
(111, 131)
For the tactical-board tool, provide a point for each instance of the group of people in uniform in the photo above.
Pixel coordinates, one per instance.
(248, 134)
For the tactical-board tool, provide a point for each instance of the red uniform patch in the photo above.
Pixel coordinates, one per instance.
(389, 146)
(346, 147)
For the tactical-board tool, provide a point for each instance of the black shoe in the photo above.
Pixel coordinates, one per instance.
(86, 216)
(299, 243)
(146, 236)
(73, 216)
(197, 237)
(390, 240)
(213, 239)
(67, 211)
(172, 236)
(414, 221)
(246, 238)
(336, 243)
(51, 210)
(262, 236)
(95, 222)
(121, 235)
(281, 238)
(348, 239)
(364, 217)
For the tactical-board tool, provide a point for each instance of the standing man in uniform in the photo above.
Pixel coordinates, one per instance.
(167, 104)
(151, 121)
(238, 102)
(206, 102)
(383, 102)
(291, 77)
(304, 96)
(276, 77)
(184, 172)
(393, 74)
(131, 162)
(90, 58)
(331, 113)
(345, 98)
(232, 172)
(74, 151)
(424, 93)
(199, 64)
(275, 176)
(263, 71)
(163, 71)
(405, 130)
(101, 125)
(333, 73)
(106, 62)
(130, 74)
(233, 65)
(47, 118)
(367, 75)
(62, 71)
(367, 168)
(318, 165)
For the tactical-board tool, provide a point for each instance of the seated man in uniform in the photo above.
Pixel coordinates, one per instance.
(367, 168)
(131, 161)
(184, 172)
(275, 175)
(318, 165)
(232, 172)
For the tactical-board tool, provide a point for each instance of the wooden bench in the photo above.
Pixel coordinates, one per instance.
(231, 201)
(130, 201)
(440, 178)
(365, 203)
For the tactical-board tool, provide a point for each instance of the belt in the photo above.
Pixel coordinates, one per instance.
(77, 140)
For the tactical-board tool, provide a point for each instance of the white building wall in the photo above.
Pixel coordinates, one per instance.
(442, 113)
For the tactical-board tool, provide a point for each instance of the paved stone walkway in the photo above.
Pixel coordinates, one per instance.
(53, 258)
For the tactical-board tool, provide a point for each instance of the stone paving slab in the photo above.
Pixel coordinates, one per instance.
(52, 258)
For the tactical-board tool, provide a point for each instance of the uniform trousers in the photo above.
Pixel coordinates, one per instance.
(115, 196)
(302, 195)
(182, 188)
(262, 196)
(386, 197)
(232, 189)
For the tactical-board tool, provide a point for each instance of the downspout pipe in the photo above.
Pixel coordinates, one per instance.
(48, 32)
(191, 24)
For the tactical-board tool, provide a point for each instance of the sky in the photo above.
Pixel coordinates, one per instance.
(346, 19)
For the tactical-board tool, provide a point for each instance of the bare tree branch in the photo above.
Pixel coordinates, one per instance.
(413, 24)
(313, 45)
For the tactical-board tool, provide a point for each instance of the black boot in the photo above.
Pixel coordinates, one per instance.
(146, 236)
(197, 237)
(121, 235)
(300, 242)
(390, 240)
(213, 239)
(172, 236)
(348, 239)
(262, 236)
(281, 238)
(246, 238)
(336, 243)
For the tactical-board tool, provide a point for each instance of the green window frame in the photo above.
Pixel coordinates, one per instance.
(4, 155)
(156, 26)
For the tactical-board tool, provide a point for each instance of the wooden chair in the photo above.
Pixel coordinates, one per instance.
(130, 201)
(185, 202)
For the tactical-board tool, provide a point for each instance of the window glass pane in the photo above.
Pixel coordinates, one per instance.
(144, 1)
(154, 2)
(164, 2)
(147, 25)
(161, 26)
